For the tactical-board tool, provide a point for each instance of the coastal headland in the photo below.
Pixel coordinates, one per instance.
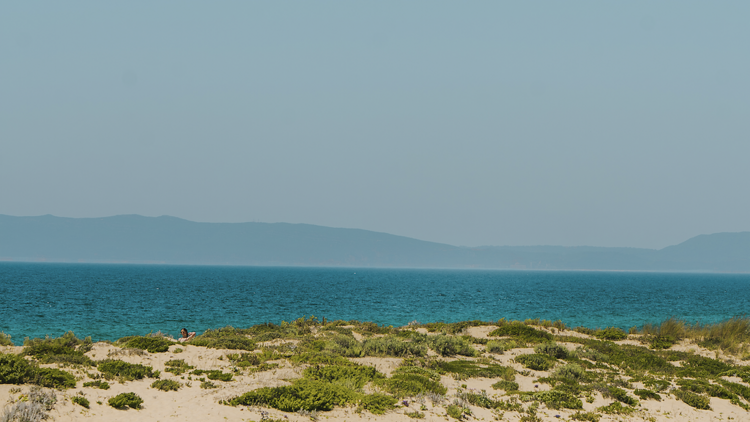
(314, 369)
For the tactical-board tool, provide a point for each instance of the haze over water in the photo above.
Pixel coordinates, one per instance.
(107, 302)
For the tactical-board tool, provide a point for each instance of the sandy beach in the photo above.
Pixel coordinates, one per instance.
(191, 402)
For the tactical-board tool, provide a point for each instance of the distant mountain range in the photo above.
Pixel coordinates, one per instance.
(170, 240)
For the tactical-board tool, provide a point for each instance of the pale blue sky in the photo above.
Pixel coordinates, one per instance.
(470, 123)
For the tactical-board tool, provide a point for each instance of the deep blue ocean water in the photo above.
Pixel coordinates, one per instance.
(107, 302)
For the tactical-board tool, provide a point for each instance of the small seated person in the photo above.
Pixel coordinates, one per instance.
(186, 336)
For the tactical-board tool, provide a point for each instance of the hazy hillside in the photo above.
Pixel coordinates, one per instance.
(137, 239)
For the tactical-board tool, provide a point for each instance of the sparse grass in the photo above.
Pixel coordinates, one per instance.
(208, 385)
(586, 416)
(616, 408)
(610, 333)
(647, 394)
(149, 344)
(463, 369)
(536, 361)
(215, 375)
(391, 346)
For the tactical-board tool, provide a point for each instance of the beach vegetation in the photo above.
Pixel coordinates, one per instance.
(67, 349)
(415, 414)
(224, 338)
(392, 346)
(692, 399)
(408, 381)
(155, 344)
(586, 416)
(377, 403)
(14, 369)
(647, 394)
(166, 385)
(208, 385)
(215, 375)
(177, 366)
(554, 399)
(123, 401)
(611, 333)
(5, 339)
(464, 369)
(616, 408)
(506, 385)
(455, 411)
(494, 346)
(520, 332)
(552, 349)
(536, 361)
(102, 385)
(81, 401)
(450, 346)
(123, 371)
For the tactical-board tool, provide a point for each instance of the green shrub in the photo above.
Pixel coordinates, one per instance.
(647, 394)
(177, 366)
(102, 385)
(166, 385)
(410, 384)
(81, 401)
(224, 338)
(702, 386)
(480, 400)
(149, 344)
(610, 333)
(112, 368)
(415, 415)
(70, 359)
(208, 384)
(125, 400)
(353, 377)
(552, 349)
(301, 395)
(54, 378)
(215, 375)
(463, 369)
(392, 346)
(456, 412)
(495, 346)
(521, 332)
(695, 400)
(587, 416)
(66, 349)
(15, 369)
(450, 346)
(536, 362)
(505, 385)
(571, 371)
(661, 342)
(616, 408)
(377, 403)
(621, 395)
(558, 399)
(5, 339)
(739, 389)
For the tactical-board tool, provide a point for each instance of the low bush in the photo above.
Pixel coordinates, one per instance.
(610, 333)
(463, 369)
(224, 338)
(704, 387)
(552, 349)
(647, 394)
(353, 377)
(585, 416)
(558, 399)
(166, 385)
(456, 412)
(411, 381)
(536, 362)
(695, 400)
(14, 369)
(303, 394)
(67, 349)
(102, 385)
(392, 346)
(571, 371)
(616, 408)
(81, 401)
(505, 385)
(415, 414)
(123, 371)
(620, 395)
(126, 400)
(149, 344)
(377, 403)
(451, 346)
(495, 346)
(521, 332)
(5, 339)
(215, 375)
(177, 366)
(208, 385)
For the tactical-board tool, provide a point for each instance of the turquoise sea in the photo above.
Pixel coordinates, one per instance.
(107, 302)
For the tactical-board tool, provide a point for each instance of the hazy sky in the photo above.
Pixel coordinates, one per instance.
(470, 123)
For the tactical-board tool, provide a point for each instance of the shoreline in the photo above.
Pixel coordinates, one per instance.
(473, 370)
